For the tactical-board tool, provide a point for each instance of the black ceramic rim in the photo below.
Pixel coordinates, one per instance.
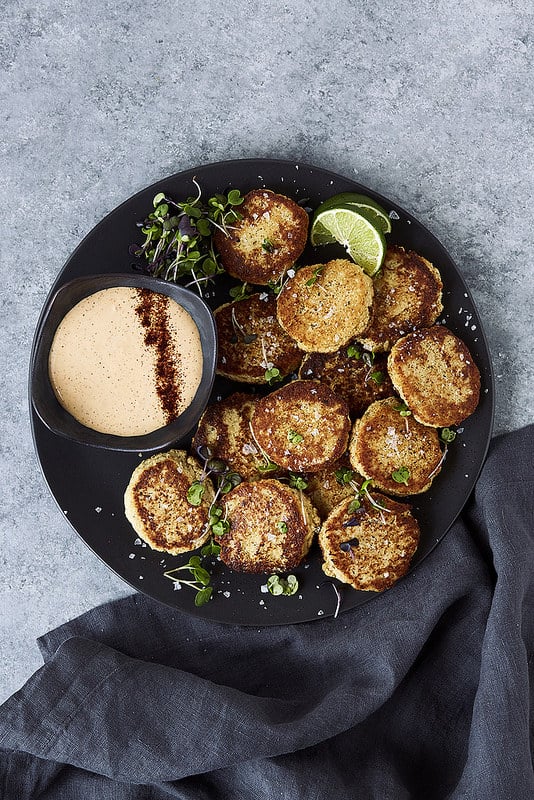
(88, 483)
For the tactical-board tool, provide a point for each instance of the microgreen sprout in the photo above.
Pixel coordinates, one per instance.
(401, 475)
(353, 351)
(239, 292)
(447, 435)
(201, 579)
(346, 547)
(316, 273)
(268, 246)
(282, 526)
(277, 286)
(403, 409)
(344, 475)
(178, 235)
(378, 377)
(273, 375)
(355, 506)
(368, 357)
(297, 481)
(278, 585)
(195, 493)
(294, 437)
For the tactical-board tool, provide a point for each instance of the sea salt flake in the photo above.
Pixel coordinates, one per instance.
(98, 509)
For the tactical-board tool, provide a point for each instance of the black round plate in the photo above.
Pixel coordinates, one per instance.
(88, 483)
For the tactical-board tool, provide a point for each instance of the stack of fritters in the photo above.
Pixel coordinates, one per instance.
(377, 379)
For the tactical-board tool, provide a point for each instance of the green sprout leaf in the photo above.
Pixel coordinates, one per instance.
(195, 493)
(294, 437)
(378, 377)
(282, 526)
(273, 375)
(403, 409)
(297, 482)
(203, 595)
(268, 246)
(447, 435)
(401, 475)
(353, 351)
(316, 273)
(286, 586)
(344, 475)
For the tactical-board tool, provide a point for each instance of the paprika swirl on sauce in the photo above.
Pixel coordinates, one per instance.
(126, 361)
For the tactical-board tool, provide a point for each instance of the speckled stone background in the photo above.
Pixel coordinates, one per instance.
(429, 103)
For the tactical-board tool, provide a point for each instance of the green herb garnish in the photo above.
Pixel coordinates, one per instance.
(268, 246)
(294, 437)
(278, 585)
(401, 475)
(403, 409)
(316, 273)
(344, 475)
(178, 235)
(201, 579)
(378, 377)
(195, 493)
(282, 526)
(239, 292)
(273, 375)
(353, 351)
(297, 481)
(447, 435)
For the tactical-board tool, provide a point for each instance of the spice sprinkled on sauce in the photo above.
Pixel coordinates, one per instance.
(126, 361)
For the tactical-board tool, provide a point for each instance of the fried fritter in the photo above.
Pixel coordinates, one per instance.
(434, 373)
(407, 296)
(271, 527)
(268, 239)
(369, 548)
(328, 487)
(396, 452)
(251, 341)
(157, 507)
(302, 426)
(225, 429)
(360, 378)
(324, 306)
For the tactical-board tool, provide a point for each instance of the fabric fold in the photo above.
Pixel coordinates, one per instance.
(425, 691)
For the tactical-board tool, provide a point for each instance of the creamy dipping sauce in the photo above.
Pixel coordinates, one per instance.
(126, 361)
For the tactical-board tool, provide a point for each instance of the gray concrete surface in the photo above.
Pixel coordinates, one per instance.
(429, 103)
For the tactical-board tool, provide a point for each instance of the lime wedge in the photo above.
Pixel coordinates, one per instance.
(364, 205)
(364, 242)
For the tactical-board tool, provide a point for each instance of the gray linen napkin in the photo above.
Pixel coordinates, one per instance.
(424, 692)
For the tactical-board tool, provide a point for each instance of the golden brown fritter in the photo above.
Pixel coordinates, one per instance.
(271, 527)
(369, 548)
(324, 306)
(251, 341)
(225, 429)
(434, 373)
(407, 296)
(328, 487)
(268, 239)
(302, 426)
(359, 378)
(157, 507)
(396, 452)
